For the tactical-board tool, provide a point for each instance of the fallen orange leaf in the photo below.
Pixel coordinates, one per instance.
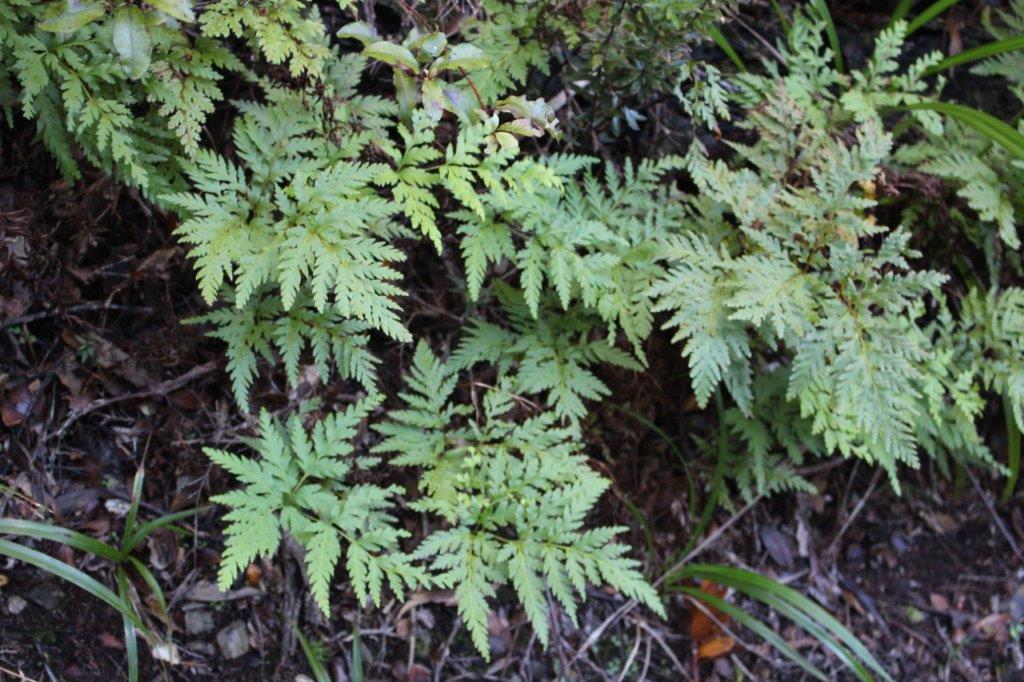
(715, 647)
(701, 625)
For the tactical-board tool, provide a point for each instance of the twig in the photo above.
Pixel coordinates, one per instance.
(16, 674)
(81, 308)
(632, 603)
(654, 634)
(995, 516)
(856, 512)
(647, 662)
(632, 655)
(160, 389)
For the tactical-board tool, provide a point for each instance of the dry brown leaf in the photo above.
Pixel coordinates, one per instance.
(444, 597)
(938, 602)
(715, 647)
(701, 625)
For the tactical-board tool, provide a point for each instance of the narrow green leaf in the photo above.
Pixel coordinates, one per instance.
(902, 9)
(132, 43)
(933, 11)
(46, 531)
(73, 18)
(755, 625)
(131, 645)
(136, 500)
(977, 53)
(781, 14)
(357, 654)
(789, 600)
(145, 529)
(151, 583)
(316, 666)
(726, 47)
(72, 575)
(997, 131)
(821, 7)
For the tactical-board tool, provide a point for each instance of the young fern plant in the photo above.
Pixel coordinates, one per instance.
(301, 484)
(514, 497)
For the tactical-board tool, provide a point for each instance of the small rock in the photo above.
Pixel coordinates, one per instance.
(47, 596)
(166, 652)
(233, 640)
(16, 605)
(203, 649)
(197, 622)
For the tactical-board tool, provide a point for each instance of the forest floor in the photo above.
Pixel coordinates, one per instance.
(100, 374)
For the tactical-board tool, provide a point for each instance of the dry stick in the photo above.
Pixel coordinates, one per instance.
(632, 656)
(665, 647)
(84, 307)
(632, 603)
(17, 675)
(856, 512)
(647, 662)
(160, 389)
(995, 516)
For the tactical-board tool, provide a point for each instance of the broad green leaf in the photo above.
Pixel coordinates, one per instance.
(179, 9)
(131, 41)
(73, 18)
(361, 31)
(432, 44)
(391, 53)
(463, 56)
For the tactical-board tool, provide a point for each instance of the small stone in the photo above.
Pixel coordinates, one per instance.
(202, 648)
(50, 598)
(166, 652)
(233, 640)
(197, 622)
(16, 605)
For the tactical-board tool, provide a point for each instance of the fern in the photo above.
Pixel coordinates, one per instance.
(298, 486)
(515, 497)
(551, 355)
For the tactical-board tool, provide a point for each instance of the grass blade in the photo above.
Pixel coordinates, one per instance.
(151, 583)
(150, 526)
(901, 11)
(47, 531)
(977, 53)
(934, 10)
(808, 614)
(781, 14)
(821, 8)
(315, 664)
(133, 510)
(726, 47)
(72, 575)
(991, 127)
(131, 646)
(357, 654)
(757, 627)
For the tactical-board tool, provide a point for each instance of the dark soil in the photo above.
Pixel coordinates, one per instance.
(98, 377)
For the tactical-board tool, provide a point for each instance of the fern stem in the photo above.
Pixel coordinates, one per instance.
(722, 451)
(1012, 450)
